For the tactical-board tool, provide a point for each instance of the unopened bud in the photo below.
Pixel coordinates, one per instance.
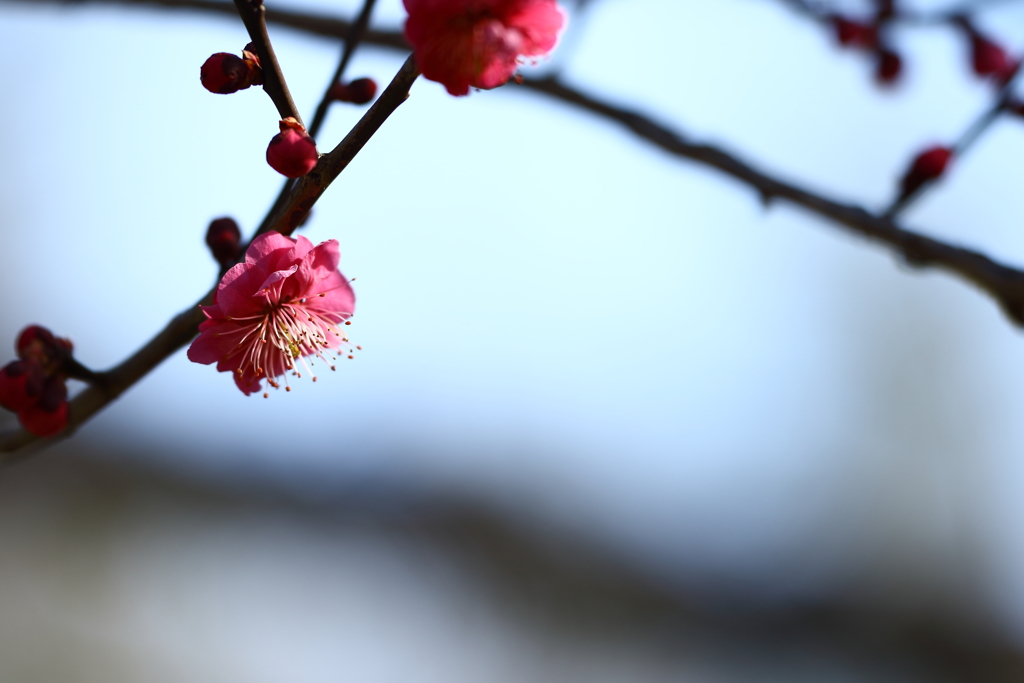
(988, 58)
(359, 91)
(292, 152)
(850, 33)
(21, 383)
(888, 67)
(927, 166)
(50, 413)
(225, 73)
(38, 345)
(223, 237)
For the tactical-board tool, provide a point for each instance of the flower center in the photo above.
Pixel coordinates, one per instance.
(287, 331)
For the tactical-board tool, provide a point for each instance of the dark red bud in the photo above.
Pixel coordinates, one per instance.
(292, 152)
(225, 73)
(989, 58)
(42, 422)
(223, 237)
(359, 91)
(888, 68)
(854, 34)
(32, 339)
(21, 383)
(928, 165)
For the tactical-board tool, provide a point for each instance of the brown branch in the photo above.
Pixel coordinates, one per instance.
(183, 328)
(1003, 283)
(822, 10)
(309, 188)
(113, 383)
(355, 34)
(253, 15)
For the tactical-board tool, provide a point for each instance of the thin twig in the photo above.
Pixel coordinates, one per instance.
(254, 16)
(971, 135)
(949, 15)
(183, 328)
(355, 34)
(1003, 283)
(352, 38)
(309, 188)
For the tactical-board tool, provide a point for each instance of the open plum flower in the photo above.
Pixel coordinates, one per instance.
(479, 43)
(283, 303)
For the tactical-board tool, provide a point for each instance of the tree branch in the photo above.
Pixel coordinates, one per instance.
(183, 328)
(971, 135)
(253, 15)
(355, 34)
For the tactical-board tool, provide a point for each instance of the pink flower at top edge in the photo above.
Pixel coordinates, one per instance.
(284, 302)
(479, 43)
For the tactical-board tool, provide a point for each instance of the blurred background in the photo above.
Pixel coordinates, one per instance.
(614, 420)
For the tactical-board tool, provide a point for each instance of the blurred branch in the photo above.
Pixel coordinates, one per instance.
(558, 581)
(949, 15)
(970, 136)
(184, 326)
(355, 34)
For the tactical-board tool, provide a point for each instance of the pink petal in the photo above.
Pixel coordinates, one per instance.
(266, 246)
(540, 23)
(338, 300)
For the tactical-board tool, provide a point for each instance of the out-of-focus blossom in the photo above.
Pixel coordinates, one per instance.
(479, 43)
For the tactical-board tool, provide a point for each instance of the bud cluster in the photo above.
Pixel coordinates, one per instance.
(34, 386)
(867, 37)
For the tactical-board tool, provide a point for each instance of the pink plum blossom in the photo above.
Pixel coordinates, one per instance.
(479, 43)
(286, 301)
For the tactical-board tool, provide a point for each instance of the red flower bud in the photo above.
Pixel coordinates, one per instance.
(38, 345)
(21, 383)
(854, 34)
(292, 152)
(33, 340)
(928, 165)
(223, 237)
(50, 415)
(989, 58)
(359, 91)
(225, 73)
(888, 67)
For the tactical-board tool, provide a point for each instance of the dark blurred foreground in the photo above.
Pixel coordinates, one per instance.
(113, 572)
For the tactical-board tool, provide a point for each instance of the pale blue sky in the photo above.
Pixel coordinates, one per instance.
(554, 314)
